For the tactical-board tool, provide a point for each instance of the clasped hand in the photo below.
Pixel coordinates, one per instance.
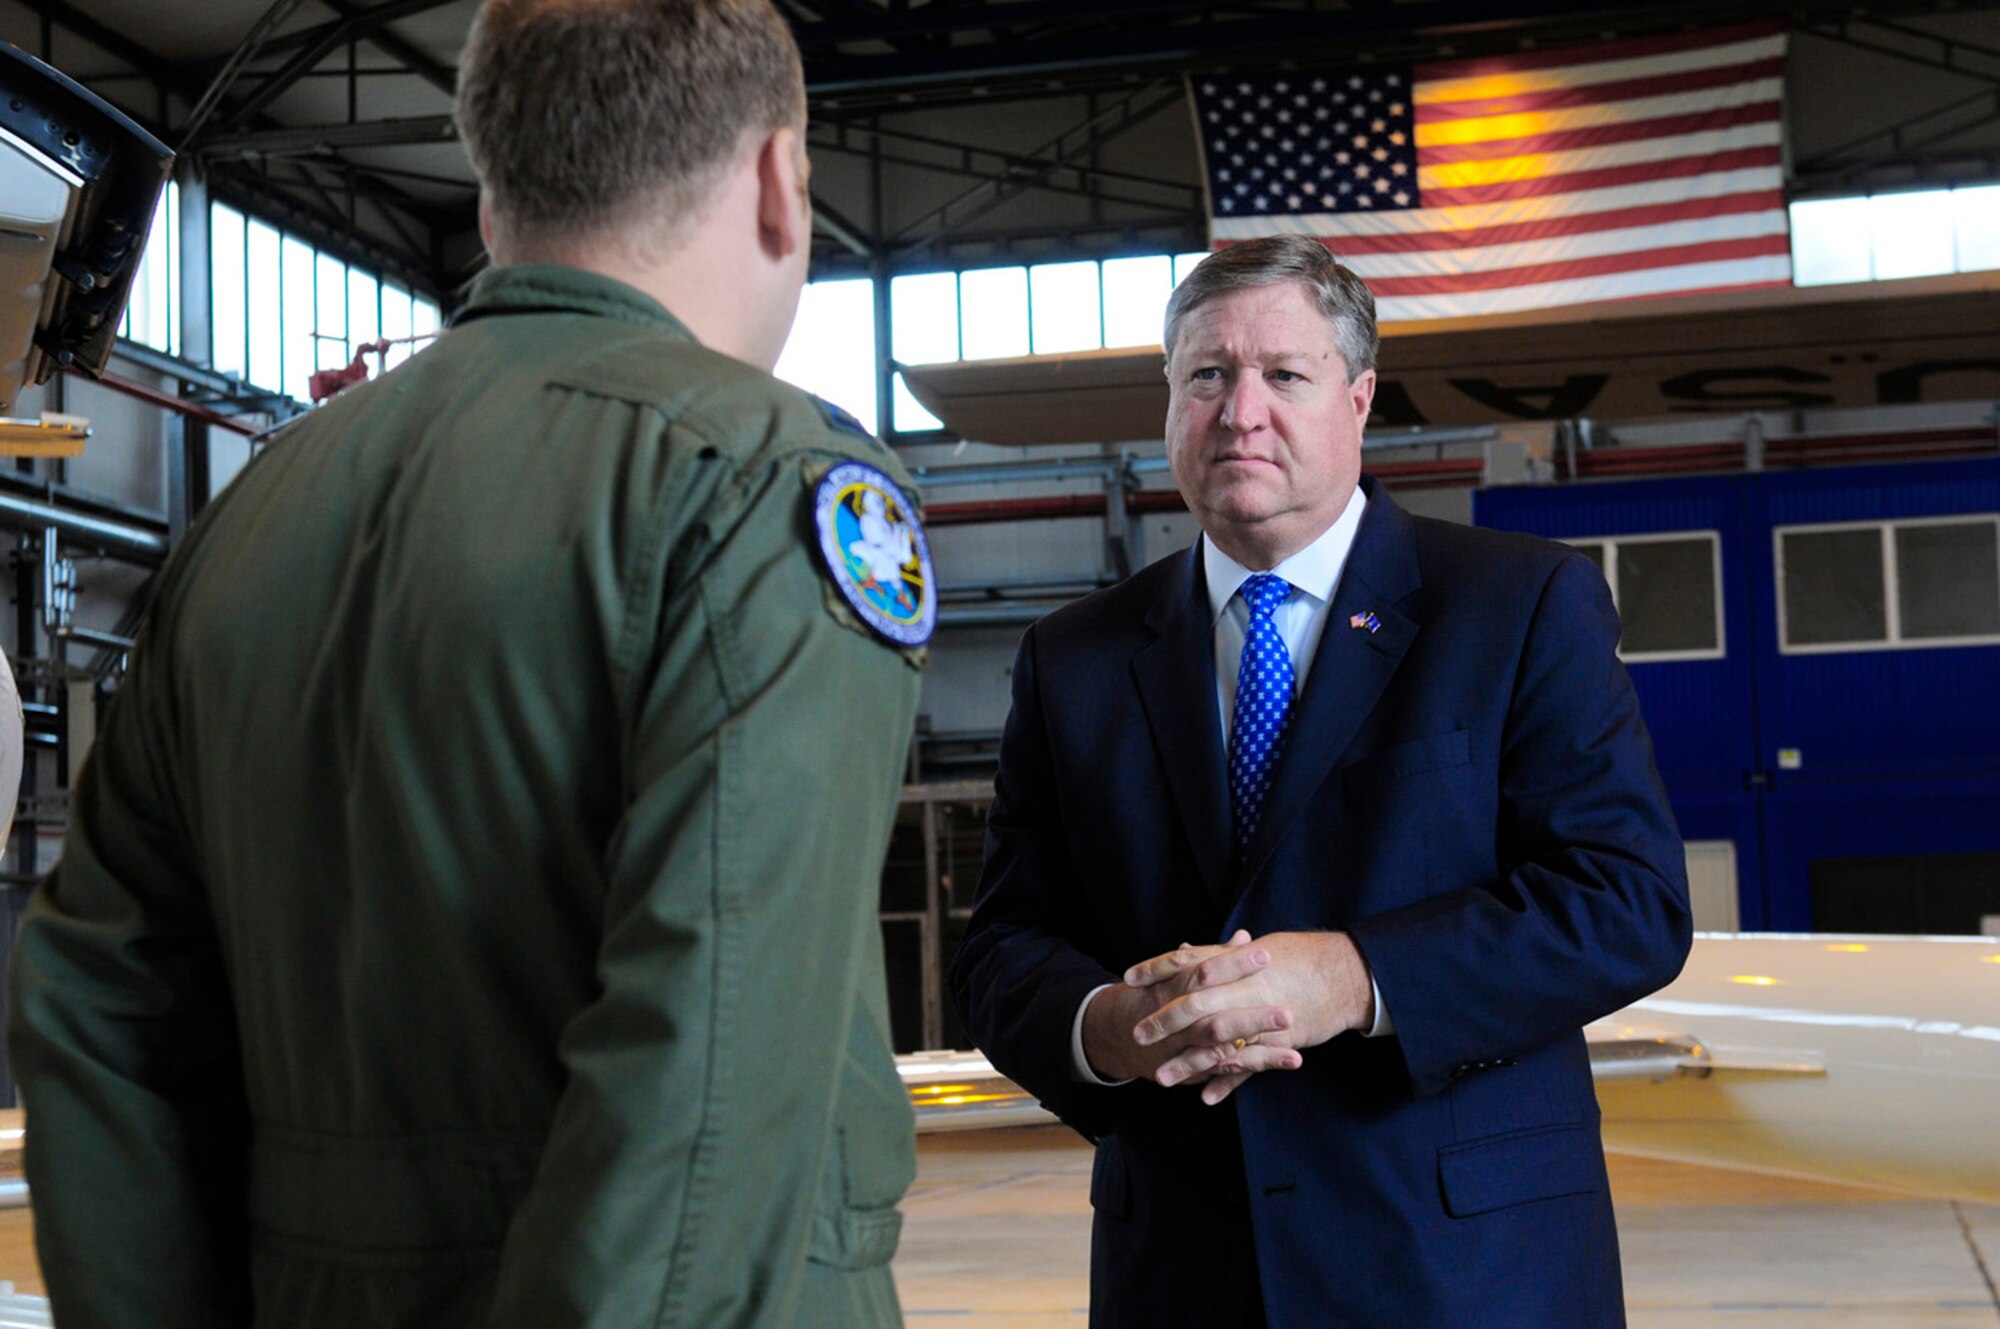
(1177, 1017)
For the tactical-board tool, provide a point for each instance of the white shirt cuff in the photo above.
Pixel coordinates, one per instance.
(1383, 1026)
(1079, 1065)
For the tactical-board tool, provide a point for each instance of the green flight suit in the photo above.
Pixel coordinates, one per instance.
(468, 911)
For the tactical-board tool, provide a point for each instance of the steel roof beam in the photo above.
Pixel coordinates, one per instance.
(355, 25)
(970, 153)
(316, 140)
(1048, 183)
(112, 42)
(247, 50)
(442, 77)
(291, 41)
(1125, 115)
(1945, 59)
(1133, 36)
(851, 237)
(1922, 130)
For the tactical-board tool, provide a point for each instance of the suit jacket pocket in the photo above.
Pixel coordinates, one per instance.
(1430, 753)
(1483, 1175)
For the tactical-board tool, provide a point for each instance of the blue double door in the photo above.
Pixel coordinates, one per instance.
(1859, 783)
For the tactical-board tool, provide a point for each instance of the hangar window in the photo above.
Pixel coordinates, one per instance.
(1876, 237)
(1885, 585)
(1047, 309)
(1668, 590)
(283, 309)
(831, 350)
(1065, 308)
(153, 316)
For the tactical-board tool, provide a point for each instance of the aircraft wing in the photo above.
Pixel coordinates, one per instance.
(1873, 1061)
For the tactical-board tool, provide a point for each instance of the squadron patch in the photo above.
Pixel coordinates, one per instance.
(876, 552)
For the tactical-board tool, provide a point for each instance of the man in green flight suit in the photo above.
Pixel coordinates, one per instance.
(467, 916)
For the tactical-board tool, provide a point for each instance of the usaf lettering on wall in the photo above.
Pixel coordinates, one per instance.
(1873, 344)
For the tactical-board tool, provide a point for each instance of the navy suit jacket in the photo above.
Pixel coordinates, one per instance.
(1467, 789)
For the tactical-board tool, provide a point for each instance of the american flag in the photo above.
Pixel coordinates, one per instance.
(1631, 168)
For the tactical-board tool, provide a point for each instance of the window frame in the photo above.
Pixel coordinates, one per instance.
(1892, 589)
(1179, 264)
(1610, 543)
(314, 351)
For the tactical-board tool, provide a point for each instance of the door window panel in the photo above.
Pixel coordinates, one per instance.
(1834, 591)
(1667, 596)
(1885, 585)
(1948, 579)
(1667, 589)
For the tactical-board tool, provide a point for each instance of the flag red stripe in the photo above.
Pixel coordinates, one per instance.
(1535, 274)
(1674, 168)
(1712, 290)
(1596, 136)
(1592, 94)
(1597, 53)
(1412, 242)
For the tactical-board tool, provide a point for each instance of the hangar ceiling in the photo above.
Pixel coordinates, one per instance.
(953, 132)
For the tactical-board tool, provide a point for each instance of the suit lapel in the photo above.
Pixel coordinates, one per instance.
(1176, 679)
(1350, 670)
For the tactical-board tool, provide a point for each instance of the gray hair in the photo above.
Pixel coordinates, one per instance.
(1339, 294)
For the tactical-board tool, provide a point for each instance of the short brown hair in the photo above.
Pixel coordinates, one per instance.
(1340, 295)
(581, 115)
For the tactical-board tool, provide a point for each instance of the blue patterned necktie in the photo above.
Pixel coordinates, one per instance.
(1263, 696)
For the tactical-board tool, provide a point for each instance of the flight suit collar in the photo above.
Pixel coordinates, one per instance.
(550, 288)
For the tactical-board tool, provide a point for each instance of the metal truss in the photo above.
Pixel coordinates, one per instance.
(260, 32)
(1058, 154)
(314, 47)
(870, 63)
(1913, 44)
(1914, 148)
(927, 152)
(296, 192)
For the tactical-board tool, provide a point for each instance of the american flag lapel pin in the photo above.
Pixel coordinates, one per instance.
(1367, 620)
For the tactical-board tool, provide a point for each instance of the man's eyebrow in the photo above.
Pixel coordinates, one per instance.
(1282, 357)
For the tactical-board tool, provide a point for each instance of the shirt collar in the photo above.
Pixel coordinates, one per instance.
(536, 288)
(1314, 570)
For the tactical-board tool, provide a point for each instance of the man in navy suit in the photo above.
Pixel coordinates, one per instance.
(1312, 850)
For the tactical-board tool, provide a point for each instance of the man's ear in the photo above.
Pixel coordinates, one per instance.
(1361, 395)
(784, 221)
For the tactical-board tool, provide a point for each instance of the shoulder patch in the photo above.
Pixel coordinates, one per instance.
(875, 552)
(840, 419)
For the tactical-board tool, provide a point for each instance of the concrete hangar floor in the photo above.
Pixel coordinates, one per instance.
(997, 1236)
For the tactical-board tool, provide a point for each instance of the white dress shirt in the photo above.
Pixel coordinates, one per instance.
(1314, 573)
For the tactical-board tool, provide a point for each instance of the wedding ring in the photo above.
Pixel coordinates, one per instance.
(1242, 1043)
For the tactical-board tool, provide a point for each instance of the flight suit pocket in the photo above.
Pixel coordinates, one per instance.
(849, 1238)
(857, 1224)
(1483, 1175)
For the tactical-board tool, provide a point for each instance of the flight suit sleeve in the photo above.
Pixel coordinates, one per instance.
(696, 1157)
(123, 1043)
